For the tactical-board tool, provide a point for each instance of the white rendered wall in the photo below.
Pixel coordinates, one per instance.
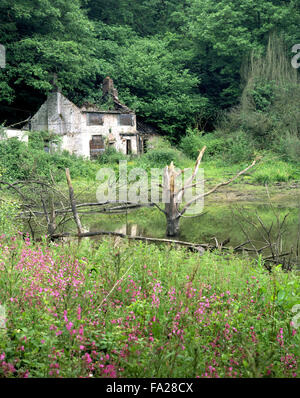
(22, 135)
(62, 117)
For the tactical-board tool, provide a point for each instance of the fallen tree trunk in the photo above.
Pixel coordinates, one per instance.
(198, 247)
(116, 209)
(195, 246)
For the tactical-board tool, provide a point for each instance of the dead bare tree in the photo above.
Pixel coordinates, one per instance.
(36, 195)
(45, 206)
(172, 210)
(73, 202)
(270, 240)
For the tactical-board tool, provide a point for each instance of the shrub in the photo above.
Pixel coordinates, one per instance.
(235, 148)
(22, 162)
(258, 125)
(161, 153)
(239, 147)
(195, 140)
(270, 101)
(39, 139)
(15, 159)
(111, 155)
(161, 157)
(262, 94)
(2, 132)
(8, 212)
(288, 146)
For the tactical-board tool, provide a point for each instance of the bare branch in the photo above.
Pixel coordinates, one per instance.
(159, 208)
(188, 204)
(196, 168)
(73, 203)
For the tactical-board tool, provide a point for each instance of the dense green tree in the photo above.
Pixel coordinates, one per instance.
(146, 17)
(151, 76)
(176, 62)
(43, 37)
(224, 32)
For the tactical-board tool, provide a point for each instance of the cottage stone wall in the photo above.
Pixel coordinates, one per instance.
(39, 122)
(111, 129)
(62, 117)
(58, 115)
(22, 135)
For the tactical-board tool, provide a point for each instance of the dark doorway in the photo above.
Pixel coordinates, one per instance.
(145, 145)
(128, 147)
(97, 146)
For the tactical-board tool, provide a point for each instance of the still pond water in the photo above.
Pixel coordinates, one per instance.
(220, 221)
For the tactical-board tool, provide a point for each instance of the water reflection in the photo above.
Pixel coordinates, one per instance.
(130, 230)
(218, 222)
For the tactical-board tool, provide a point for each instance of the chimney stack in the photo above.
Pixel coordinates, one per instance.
(108, 88)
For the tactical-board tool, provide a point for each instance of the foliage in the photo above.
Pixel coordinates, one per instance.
(239, 147)
(176, 63)
(268, 110)
(2, 132)
(226, 31)
(154, 81)
(39, 139)
(22, 162)
(172, 314)
(161, 157)
(195, 141)
(146, 17)
(43, 38)
(288, 146)
(161, 153)
(111, 155)
(8, 211)
(279, 171)
(233, 148)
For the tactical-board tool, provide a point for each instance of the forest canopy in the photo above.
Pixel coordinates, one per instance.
(177, 63)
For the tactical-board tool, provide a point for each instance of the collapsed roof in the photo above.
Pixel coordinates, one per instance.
(109, 99)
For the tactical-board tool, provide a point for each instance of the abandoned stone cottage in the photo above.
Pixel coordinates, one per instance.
(89, 130)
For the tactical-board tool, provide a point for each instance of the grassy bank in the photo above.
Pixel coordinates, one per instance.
(20, 162)
(118, 309)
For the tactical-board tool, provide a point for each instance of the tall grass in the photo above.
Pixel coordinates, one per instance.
(269, 106)
(119, 309)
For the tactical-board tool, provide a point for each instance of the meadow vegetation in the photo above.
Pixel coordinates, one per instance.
(224, 156)
(120, 309)
(114, 308)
